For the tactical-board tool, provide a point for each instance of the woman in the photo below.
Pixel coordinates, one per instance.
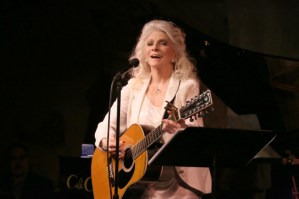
(165, 73)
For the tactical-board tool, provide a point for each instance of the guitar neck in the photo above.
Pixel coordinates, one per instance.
(147, 141)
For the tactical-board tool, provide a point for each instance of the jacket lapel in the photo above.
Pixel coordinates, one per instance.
(172, 90)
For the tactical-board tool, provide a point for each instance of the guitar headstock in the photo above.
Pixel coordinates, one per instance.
(198, 106)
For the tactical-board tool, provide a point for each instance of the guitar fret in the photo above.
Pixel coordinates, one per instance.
(148, 140)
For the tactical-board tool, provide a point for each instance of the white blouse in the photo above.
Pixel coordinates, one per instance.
(150, 114)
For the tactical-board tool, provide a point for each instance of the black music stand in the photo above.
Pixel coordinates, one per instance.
(212, 147)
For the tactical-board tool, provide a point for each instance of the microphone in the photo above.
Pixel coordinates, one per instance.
(133, 63)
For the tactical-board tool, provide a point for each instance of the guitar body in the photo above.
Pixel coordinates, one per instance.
(129, 171)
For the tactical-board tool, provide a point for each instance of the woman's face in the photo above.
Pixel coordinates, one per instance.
(159, 50)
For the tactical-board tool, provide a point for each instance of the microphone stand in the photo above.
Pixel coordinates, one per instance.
(119, 77)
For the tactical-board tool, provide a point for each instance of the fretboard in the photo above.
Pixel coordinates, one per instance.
(147, 141)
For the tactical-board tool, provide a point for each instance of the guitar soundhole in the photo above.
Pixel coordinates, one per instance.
(128, 159)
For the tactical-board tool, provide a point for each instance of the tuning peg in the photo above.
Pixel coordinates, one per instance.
(191, 119)
(201, 114)
(195, 117)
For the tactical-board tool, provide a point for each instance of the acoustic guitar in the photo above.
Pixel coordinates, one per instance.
(133, 166)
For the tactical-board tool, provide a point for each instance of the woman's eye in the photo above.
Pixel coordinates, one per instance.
(164, 43)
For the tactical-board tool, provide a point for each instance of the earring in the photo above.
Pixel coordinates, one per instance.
(172, 61)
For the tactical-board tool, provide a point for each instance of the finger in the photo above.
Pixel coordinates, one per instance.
(112, 146)
(168, 129)
(112, 142)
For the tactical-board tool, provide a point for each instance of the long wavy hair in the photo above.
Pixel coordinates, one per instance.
(184, 65)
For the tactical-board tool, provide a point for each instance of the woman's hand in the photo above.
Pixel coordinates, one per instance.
(172, 127)
(112, 146)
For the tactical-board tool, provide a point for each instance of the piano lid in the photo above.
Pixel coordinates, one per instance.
(252, 83)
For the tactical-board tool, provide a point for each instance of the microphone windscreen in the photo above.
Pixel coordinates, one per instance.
(134, 62)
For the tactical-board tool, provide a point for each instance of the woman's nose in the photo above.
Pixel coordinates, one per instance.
(155, 48)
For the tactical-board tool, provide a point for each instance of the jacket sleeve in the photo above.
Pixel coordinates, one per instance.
(102, 128)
